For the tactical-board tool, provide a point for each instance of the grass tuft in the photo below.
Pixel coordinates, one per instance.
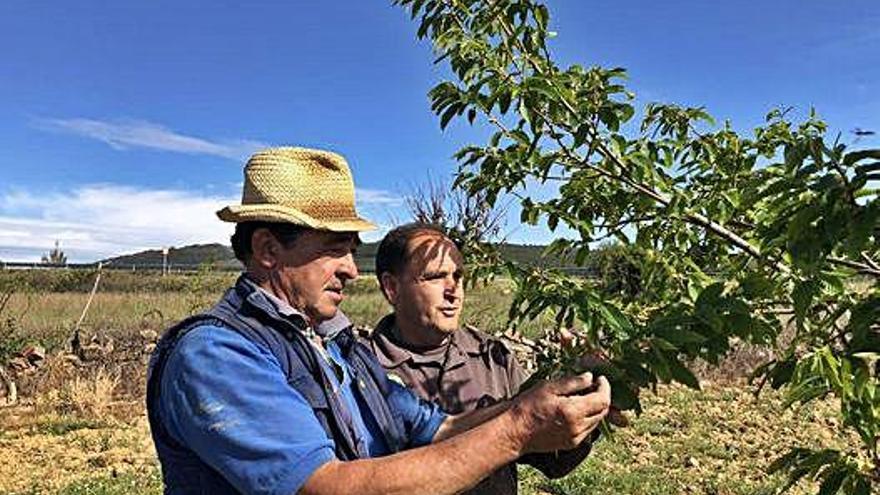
(89, 397)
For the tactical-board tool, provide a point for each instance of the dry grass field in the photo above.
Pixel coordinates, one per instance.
(79, 426)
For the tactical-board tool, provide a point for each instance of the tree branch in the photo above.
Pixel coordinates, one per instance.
(862, 268)
(599, 145)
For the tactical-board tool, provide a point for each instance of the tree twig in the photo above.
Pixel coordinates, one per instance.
(873, 264)
(862, 268)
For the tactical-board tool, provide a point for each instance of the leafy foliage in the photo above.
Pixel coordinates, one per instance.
(728, 232)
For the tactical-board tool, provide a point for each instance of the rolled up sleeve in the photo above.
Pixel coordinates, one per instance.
(421, 418)
(227, 399)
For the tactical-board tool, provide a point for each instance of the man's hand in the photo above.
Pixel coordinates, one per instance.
(590, 361)
(561, 414)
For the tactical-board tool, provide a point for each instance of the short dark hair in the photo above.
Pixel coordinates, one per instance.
(286, 233)
(391, 257)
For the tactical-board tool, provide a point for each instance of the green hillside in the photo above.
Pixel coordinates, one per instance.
(218, 256)
(187, 257)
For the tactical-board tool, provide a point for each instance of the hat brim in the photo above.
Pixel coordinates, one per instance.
(274, 213)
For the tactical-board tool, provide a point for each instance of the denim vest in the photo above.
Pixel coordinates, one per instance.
(246, 310)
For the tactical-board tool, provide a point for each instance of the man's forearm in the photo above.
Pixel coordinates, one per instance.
(448, 466)
(552, 464)
(460, 423)
(549, 417)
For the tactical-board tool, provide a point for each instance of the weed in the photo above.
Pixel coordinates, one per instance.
(11, 339)
(62, 425)
(89, 397)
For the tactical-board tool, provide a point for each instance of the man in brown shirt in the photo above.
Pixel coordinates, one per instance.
(422, 345)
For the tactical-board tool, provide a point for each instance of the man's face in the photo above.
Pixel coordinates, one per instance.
(428, 294)
(314, 270)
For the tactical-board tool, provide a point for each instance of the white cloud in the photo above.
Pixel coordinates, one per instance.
(100, 221)
(378, 196)
(105, 220)
(141, 134)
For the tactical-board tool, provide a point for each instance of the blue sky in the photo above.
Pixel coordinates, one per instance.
(125, 124)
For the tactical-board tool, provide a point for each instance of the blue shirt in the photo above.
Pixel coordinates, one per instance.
(227, 399)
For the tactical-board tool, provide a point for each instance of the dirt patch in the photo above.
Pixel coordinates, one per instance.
(44, 453)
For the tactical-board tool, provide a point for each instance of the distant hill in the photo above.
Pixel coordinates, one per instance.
(187, 257)
(219, 256)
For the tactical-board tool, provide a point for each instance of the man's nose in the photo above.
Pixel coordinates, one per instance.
(451, 287)
(348, 268)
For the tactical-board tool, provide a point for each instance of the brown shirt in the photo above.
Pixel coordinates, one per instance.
(470, 371)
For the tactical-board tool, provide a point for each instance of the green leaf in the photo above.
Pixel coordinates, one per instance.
(683, 375)
(833, 478)
(782, 373)
(637, 374)
(709, 296)
(802, 296)
(623, 397)
(681, 336)
(862, 227)
(862, 487)
(609, 118)
(416, 8)
(581, 134)
(580, 256)
(659, 364)
(856, 156)
(787, 461)
(447, 115)
(542, 16)
(626, 112)
(756, 286)
(504, 101)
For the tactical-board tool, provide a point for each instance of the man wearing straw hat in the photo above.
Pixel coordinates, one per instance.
(269, 391)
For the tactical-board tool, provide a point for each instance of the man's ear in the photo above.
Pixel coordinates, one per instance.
(389, 287)
(265, 248)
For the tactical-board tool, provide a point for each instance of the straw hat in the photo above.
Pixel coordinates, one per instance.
(302, 186)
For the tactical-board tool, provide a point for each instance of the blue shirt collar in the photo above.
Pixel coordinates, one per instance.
(326, 329)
